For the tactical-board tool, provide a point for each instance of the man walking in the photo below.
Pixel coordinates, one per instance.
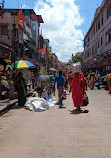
(60, 80)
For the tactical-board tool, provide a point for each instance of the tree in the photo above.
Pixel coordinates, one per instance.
(77, 59)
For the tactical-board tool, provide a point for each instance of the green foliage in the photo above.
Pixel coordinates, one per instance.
(77, 59)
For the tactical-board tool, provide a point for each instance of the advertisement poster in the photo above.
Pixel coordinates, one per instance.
(42, 70)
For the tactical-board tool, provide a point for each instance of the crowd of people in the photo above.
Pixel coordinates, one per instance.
(94, 80)
(75, 81)
(78, 83)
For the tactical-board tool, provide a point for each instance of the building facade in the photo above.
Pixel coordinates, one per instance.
(21, 43)
(97, 42)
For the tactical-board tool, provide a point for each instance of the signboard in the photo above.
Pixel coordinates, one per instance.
(42, 70)
(50, 51)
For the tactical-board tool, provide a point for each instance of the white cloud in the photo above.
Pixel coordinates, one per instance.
(61, 26)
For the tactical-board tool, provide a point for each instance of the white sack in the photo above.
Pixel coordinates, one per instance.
(37, 104)
(51, 100)
(76, 68)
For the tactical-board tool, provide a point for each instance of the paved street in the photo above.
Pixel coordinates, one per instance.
(59, 132)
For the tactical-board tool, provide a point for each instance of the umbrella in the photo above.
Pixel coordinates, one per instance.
(52, 69)
(22, 64)
(43, 78)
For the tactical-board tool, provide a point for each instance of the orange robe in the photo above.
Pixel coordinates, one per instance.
(109, 83)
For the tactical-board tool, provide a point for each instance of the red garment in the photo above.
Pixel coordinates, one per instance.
(77, 90)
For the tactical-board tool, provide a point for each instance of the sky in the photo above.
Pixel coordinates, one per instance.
(66, 22)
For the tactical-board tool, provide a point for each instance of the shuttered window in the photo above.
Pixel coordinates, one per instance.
(4, 29)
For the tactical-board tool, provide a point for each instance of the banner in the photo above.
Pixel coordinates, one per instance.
(50, 52)
(43, 70)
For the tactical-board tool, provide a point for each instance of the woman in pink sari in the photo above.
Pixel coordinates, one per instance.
(78, 89)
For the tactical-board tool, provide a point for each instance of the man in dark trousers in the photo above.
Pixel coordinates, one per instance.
(60, 80)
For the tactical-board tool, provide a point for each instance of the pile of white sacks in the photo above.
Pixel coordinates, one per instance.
(76, 67)
(40, 104)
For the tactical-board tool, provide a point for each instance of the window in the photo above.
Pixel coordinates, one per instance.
(95, 47)
(101, 41)
(93, 50)
(108, 37)
(88, 39)
(88, 53)
(96, 27)
(109, 11)
(98, 43)
(102, 20)
(94, 30)
(25, 36)
(98, 24)
(4, 29)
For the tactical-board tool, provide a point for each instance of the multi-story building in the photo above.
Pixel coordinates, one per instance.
(97, 42)
(23, 43)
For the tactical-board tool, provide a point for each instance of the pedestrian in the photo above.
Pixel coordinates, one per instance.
(98, 84)
(59, 79)
(92, 80)
(70, 78)
(88, 80)
(61, 94)
(78, 86)
(21, 89)
(109, 83)
(66, 78)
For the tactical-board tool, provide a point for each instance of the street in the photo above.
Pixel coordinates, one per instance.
(58, 132)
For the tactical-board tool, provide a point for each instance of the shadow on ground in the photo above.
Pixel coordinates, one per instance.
(76, 112)
(18, 107)
(62, 107)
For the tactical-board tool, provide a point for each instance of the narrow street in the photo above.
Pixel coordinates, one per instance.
(59, 132)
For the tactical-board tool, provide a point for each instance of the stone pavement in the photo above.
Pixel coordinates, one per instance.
(7, 104)
(55, 133)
